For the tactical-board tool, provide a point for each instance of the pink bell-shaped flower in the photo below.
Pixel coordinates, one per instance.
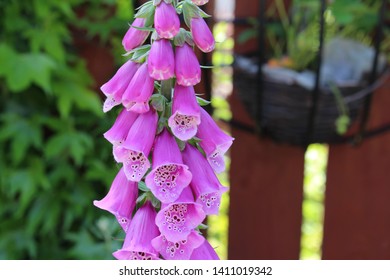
(166, 20)
(120, 200)
(202, 35)
(185, 116)
(141, 232)
(115, 87)
(176, 220)
(200, 2)
(180, 250)
(161, 61)
(137, 94)
(205, 184)
(117, 134)
(204, 252)
(135, 37)
(214, 141)
(169, 175)
(187, 67)
(135, 150)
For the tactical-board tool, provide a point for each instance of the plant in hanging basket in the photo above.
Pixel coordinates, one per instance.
(289, 79)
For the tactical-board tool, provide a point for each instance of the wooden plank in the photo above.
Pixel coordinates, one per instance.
(357, 208)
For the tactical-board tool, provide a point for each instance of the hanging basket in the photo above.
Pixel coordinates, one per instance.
(286, 109)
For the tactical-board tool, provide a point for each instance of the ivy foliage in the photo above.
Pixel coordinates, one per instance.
(53, 159)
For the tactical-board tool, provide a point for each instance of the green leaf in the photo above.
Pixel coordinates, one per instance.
(27, 69)
(70, 93)
(342, 124)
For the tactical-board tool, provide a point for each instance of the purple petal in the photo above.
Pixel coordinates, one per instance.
(205, 184)
(214, 142)
(187, 67)
(177, 220)
(135, 150)
(169, 175)
(141, 232)
(135, 37)
(180, 250)
(185, 113)
(161, 60)
(166, 21)
(120, 200)
(204, 252)
(137, 94)
(115, 87)
(117, 134)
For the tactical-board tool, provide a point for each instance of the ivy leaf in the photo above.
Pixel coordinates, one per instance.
(70, 93)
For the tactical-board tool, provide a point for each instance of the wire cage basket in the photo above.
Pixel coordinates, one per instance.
(292, 114)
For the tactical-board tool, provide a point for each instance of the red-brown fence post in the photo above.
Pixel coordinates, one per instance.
(266, 186)
(357, 208)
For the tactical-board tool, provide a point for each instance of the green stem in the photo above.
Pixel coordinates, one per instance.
(166, 89)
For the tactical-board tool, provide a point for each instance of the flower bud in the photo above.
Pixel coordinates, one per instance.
(187, 66)
(135, 37)
(137, 95)
(166, 21)
(161, 61)
(115, 87)
(202, 35)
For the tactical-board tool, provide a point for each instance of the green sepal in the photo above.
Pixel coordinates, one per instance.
(139, 54)
(156, 2)
(141, 199)
(158, 102)
(207, 66)
(181, 144)
(149, 29)
(202, 102)
(155, 202)
(182, 37)
(162, 122)
(146, 10)
(142, 187)
(190, 10)
(202, 227)
(194, 141)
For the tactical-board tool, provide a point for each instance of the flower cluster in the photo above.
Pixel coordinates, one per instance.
(168, 145)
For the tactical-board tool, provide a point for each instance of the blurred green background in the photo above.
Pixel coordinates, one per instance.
(53, 159)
